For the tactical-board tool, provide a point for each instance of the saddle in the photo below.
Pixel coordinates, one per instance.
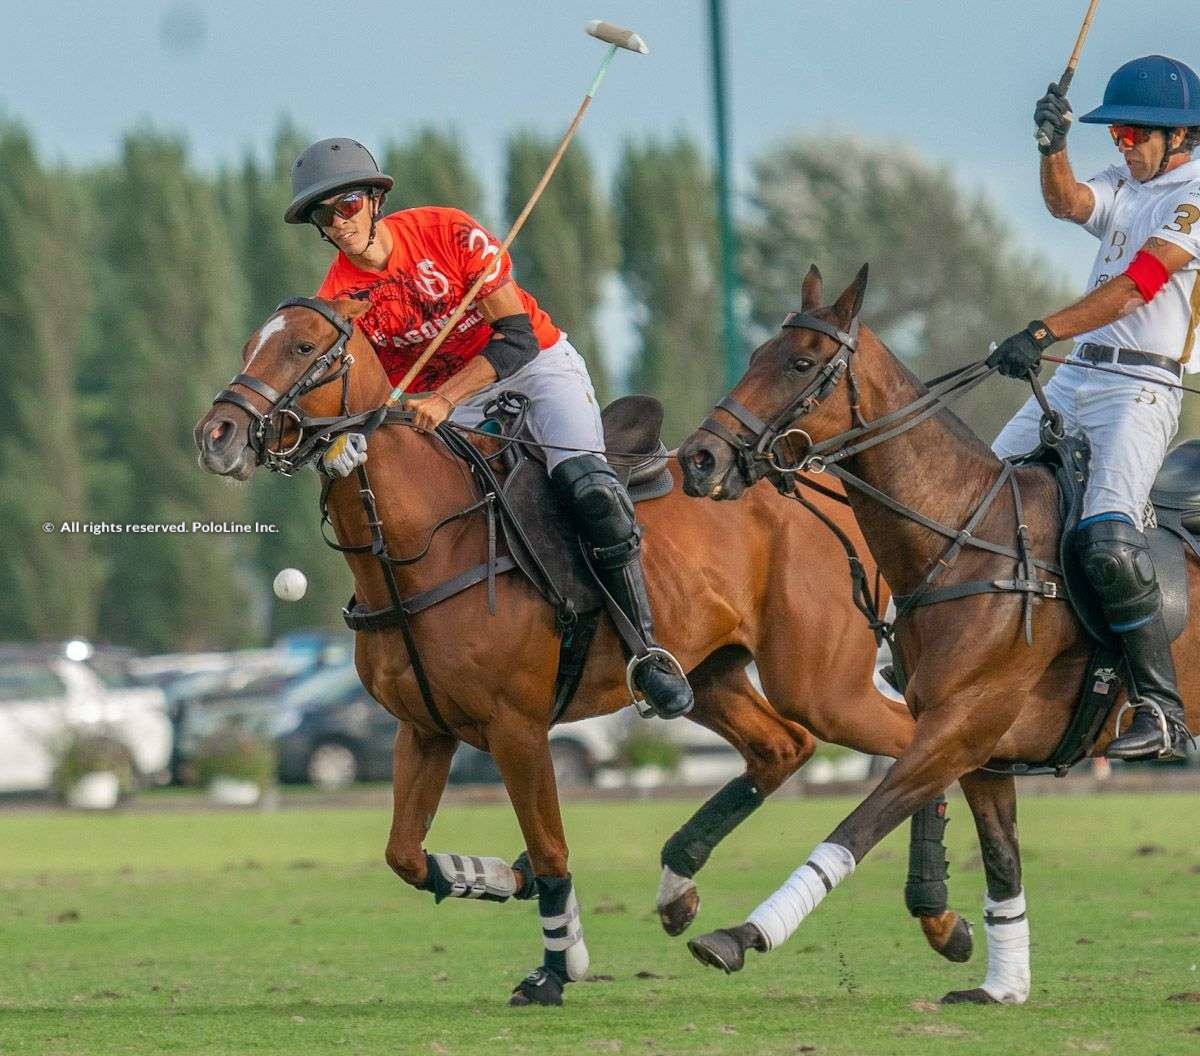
(535, 530)
(1172, 521)
(542, 533)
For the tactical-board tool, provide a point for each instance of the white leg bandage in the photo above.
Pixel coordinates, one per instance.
(563, 934)
(781, 914)
(1008, 949)
(671, 886)
(470, 876)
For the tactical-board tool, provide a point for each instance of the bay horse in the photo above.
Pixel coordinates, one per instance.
(721, 583)
(927, 494)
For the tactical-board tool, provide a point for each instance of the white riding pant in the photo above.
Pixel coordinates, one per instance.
(1129, 425)
(562, 403)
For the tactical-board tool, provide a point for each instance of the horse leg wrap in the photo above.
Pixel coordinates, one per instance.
(468, 876)
(1007, 930)
(562, 932)
(780, 915)
(925, 891)
(686, 852)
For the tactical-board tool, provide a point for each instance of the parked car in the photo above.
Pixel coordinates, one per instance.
(331, 732)
(589, 752)
(50, 695)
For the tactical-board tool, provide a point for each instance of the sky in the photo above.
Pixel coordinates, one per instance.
(955, 80)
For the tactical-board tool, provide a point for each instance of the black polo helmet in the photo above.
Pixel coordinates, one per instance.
(328, 166)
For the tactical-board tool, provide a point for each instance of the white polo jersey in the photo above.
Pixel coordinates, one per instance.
(1128, 213)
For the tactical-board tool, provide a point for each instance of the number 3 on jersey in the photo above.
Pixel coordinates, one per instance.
(1185, 217)
(479, 242)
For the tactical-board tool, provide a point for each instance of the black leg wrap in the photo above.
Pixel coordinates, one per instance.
(553, 892)
(686, 852)
(528, 888)
(925, 892)
(435, 880)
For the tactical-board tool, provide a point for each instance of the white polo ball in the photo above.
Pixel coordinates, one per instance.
(290, 584)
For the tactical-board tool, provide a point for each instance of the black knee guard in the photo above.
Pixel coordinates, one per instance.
(687, 851)
(1116, 560)
(925, 892)
(600, 508)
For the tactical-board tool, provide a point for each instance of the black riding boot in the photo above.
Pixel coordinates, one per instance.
(603, 515)
(1117, 563)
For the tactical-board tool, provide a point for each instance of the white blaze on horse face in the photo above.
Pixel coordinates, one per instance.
(269, 329)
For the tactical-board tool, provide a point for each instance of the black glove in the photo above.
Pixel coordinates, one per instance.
(1053, 107)
(1021, 355)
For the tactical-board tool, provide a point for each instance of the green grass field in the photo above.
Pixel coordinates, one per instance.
(286, 933)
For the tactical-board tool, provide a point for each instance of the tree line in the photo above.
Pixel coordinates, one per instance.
(128, 289)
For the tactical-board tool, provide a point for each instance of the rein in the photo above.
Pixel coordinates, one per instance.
(759, 455)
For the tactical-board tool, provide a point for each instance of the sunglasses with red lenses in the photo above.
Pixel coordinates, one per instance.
(1130, 135)
(347, 207)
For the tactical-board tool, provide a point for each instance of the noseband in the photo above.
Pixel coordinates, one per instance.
(759, 454)
(268, 428)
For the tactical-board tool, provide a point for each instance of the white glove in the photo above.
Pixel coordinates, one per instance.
(344, 455)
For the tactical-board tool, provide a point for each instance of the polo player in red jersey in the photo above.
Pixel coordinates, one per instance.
(414, 266)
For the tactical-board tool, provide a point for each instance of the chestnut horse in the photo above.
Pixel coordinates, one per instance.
(978, 690)
(724, 590)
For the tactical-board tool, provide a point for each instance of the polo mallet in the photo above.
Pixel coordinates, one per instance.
(615, 36)
(1043, 134)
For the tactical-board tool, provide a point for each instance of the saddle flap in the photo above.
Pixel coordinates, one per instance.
(543, 522)
(632, 426)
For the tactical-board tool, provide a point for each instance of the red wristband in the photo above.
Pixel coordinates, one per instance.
(1148, 274)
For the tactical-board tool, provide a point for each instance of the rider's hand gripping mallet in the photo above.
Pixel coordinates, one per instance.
(1043, 134)
(610, 34)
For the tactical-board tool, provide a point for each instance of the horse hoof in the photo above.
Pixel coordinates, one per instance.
(539, 987)
(978, 996)
(724, 949)
(950, 935)
(677, 915)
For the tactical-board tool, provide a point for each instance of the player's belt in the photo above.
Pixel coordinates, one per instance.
(1130, 357)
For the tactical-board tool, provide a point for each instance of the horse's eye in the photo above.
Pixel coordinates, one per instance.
(801, 365)
(305, 349)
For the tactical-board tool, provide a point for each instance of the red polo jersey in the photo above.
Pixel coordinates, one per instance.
(437, 254)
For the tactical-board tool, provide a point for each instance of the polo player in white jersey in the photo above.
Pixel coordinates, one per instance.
(1140, 315)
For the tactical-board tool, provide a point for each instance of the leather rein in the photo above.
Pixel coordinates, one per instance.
(760, 454)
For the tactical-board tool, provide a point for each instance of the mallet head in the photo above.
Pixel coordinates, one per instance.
(617, 35)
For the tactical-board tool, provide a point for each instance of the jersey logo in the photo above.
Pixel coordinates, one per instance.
(1119, 238)
(432, 281)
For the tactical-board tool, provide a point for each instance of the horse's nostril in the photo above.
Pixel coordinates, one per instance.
(219, 432)
(702, 460)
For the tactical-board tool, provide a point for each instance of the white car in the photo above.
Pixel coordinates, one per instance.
(49, 696)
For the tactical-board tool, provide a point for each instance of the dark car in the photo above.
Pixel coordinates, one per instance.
(329, 731)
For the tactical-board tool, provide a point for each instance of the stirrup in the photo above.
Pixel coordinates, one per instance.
(1168, 741)
(654, 652)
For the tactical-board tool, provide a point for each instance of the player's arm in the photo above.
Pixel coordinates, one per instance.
(513, 344)
(1065, 197)
(1135, 287)
(1149, 272)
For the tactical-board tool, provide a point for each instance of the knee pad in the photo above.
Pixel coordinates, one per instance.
(600, 506)
(1116, 560)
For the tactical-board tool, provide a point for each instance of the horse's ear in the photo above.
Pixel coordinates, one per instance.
(350, 307)
(850, 303)
(810, 291)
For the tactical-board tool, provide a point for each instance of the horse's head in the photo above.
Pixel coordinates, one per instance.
(788, 399)
(307, 362)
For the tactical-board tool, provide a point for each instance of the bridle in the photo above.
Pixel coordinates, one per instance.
(757, 454)
(265, 435)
